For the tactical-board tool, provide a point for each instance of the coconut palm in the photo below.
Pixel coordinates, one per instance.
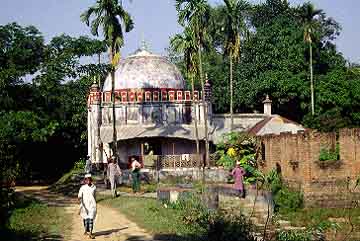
(185, 44)
(195, 14)
(111, 17)
(234, 24)
(308, 14)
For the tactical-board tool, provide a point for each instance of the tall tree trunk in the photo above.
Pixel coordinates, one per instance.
(312, 82)
(195, 119)
(205, 107)
(99, 63)
(231, 94)
(114, 146)
(100, 146)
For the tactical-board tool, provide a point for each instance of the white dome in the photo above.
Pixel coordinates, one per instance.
(144, 70)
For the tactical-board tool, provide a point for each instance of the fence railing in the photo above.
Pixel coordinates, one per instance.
(173, 161)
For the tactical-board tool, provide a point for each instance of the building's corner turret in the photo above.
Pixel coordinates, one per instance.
(94, 123)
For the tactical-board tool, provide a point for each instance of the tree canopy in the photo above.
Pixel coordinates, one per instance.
(274, 60)
(43, 101)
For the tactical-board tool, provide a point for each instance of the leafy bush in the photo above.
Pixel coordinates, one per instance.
(287, 200)
(330, 155)
(194, 211)
(229, 227)
(6, 204)
(79, 165)
(217, 226)
(294, 235)
(315, 233)
(239, 147)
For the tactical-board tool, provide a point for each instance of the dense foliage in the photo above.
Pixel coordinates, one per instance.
(286, 200)
(238, 147)
(212, 225)
(274, 60)
(42, 103)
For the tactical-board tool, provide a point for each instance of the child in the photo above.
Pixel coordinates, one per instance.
(87, 200)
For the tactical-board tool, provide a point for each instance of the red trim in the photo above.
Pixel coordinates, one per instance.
(124, 96)
(179, 95)
(156, 96)
(187, 95)
(164, 95)
(171, 95)
(132, 96)
(196, 95)
(139, 96)
(147, 96)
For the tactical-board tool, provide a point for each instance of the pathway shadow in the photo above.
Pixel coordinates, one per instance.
(175, 237)
(166, 237)
(137, 238)
(108, 232)
(51, 238)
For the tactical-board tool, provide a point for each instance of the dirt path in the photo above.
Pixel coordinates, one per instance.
(110, 225)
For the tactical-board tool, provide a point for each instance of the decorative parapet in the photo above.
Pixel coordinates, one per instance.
(150, 95)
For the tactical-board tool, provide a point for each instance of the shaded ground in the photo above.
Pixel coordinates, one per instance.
(109, 223)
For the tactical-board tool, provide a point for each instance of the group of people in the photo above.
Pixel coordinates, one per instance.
(87, 192)
(114, 175)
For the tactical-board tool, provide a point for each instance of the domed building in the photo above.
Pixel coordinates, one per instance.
(153, 110)
(155, 115)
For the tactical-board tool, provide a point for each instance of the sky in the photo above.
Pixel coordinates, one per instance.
(156, 20)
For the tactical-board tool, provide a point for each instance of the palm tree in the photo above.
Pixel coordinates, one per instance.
(308, 14)
(195, 14)
(233, 27)
(112, 18)
(186, 43)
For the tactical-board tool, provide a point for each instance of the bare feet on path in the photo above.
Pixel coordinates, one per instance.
(110, 225)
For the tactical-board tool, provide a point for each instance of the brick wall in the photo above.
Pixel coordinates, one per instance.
(298, 157)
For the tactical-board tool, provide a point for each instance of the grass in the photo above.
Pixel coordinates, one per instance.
(69, 183)
(32, 220)
(153, 216)
(146, 188)
(313, 216)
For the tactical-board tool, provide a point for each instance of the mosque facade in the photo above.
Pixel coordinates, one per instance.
(155, 115)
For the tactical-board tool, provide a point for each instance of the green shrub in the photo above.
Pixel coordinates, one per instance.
(287, 200)
(330, 155)
(229, 227)
(217, 226)
(294, 235)
(239, 147)
(79, 165)
(6, 204)
(314, 233)
(193, 210)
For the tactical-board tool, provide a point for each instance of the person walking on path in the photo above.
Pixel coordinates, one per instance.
(87, 200)
(113, 173)
(238, 174)
(135, 175)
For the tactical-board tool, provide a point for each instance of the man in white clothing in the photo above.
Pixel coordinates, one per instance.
(87, 200)
(113, 173)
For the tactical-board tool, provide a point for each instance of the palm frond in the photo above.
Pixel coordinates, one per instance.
(112, 18)
(85, 16)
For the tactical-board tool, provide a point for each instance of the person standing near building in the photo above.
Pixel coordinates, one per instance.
(135, 175)
(88, 165)
(113, 173)
(87, 200)
(238, 174)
